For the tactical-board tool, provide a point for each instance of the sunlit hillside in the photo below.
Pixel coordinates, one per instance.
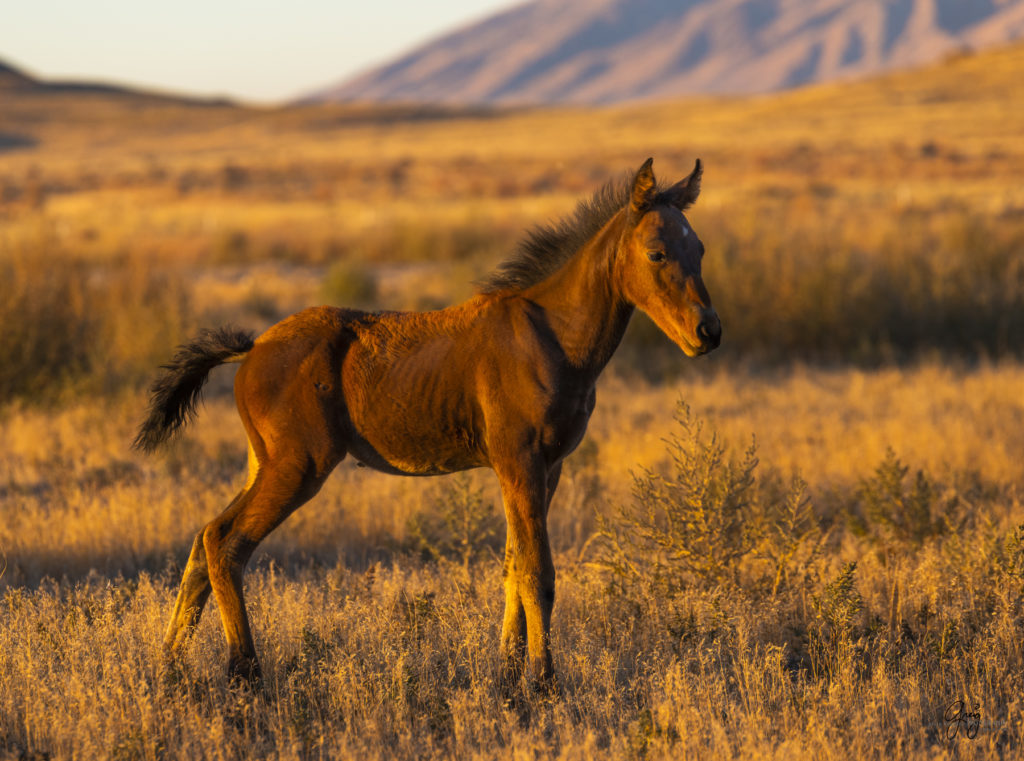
(822, 559)
(109, 171)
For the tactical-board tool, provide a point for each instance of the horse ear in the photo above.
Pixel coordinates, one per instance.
(644, 187)
(683, 194)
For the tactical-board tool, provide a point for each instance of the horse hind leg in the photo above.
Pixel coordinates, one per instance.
(192, 596)
(230, 539)
(195, 581)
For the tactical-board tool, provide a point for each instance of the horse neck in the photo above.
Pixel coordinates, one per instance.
(582, 303)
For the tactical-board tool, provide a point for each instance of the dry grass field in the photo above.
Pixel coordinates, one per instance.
(823, 557)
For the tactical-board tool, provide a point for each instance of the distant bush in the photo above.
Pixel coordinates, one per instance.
(348, 283)
(395, 242)
(806, 287)
(72, 324)
(47, 325)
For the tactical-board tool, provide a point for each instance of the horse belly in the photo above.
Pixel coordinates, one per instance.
(419, 436)
(413, 457)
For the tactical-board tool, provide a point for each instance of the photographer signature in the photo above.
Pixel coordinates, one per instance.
(958, 716)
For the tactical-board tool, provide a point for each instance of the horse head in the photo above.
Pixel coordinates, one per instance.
(657, 266)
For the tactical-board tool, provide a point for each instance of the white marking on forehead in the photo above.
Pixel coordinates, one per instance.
(686, 231)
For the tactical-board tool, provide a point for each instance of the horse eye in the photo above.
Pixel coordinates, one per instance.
(656, 256)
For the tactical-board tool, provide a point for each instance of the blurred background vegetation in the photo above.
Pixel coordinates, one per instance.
(862, 223)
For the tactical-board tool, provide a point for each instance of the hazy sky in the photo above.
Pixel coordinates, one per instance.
(252, 49)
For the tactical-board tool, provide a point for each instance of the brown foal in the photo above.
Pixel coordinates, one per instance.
(504, 380)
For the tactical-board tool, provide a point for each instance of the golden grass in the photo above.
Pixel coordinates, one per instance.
(372, 649)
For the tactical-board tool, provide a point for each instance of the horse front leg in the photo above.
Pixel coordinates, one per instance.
(529, 573)
(514, 623)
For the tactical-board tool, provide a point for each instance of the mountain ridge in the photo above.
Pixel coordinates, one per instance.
(15, 79)
(587, 52)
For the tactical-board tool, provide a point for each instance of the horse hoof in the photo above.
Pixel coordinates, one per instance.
(244, 672)
(547, 688)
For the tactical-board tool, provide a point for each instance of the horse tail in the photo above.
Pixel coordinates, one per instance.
(175, 394)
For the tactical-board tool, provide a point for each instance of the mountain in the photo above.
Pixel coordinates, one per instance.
(38, 112)
(604, 51)
(15, 81)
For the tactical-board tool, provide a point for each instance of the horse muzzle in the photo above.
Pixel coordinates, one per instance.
(709, 331)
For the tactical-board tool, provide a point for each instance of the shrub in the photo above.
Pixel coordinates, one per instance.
(460, 526)
(832, 628)
(788, 528)
(897, 511)
(687, 525)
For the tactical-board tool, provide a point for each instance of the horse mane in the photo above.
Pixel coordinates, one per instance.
(548, 246)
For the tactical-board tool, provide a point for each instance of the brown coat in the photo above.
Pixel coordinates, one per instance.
(504, 380)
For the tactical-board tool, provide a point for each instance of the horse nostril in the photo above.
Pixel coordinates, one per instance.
(710, 331)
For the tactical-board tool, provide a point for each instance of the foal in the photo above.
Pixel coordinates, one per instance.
(504, 380)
